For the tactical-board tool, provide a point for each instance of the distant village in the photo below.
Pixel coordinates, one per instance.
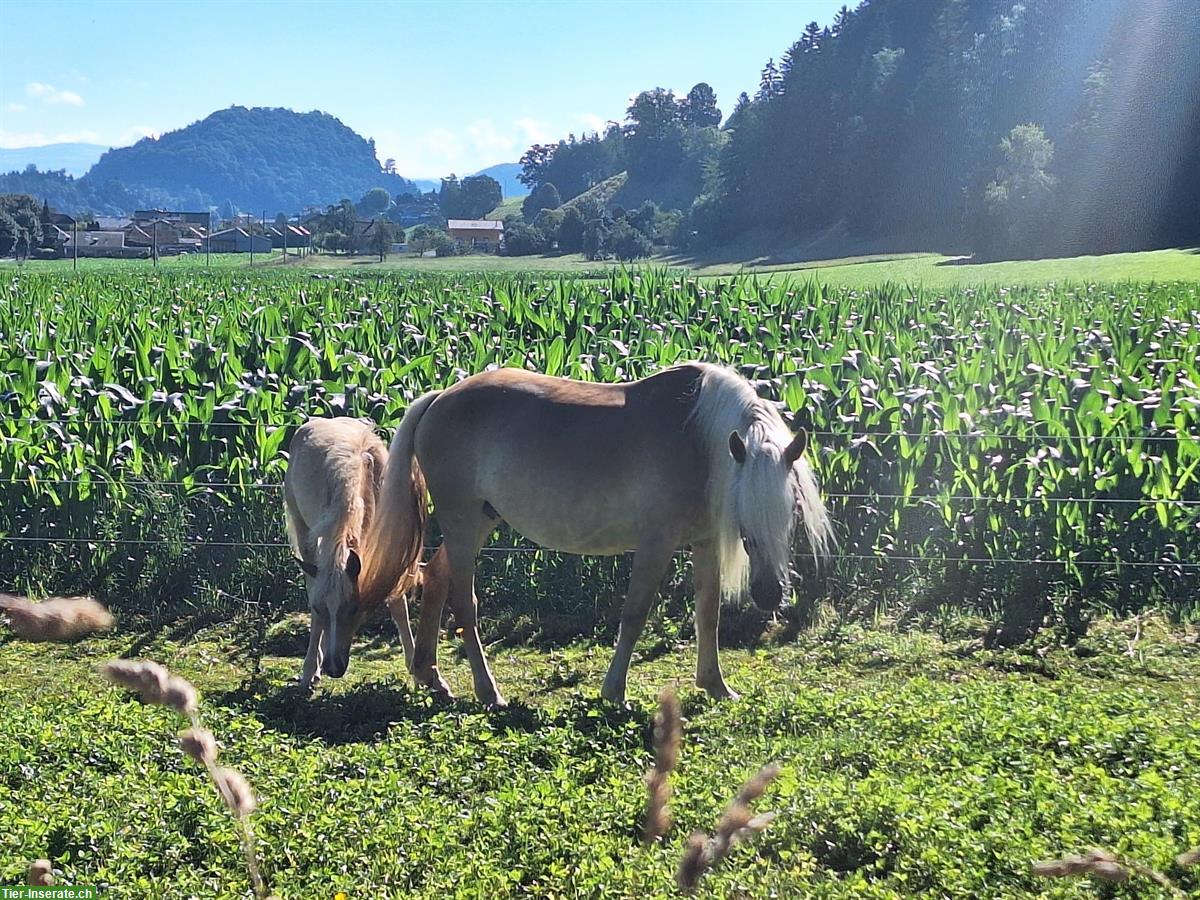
(152, 233)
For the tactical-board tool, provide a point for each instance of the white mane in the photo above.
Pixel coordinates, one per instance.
(756, 496)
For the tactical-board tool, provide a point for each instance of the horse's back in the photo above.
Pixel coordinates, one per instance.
(325, 465)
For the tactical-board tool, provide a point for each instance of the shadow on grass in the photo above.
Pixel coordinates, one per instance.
(367, 712)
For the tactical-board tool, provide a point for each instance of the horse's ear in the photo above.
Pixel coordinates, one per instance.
(737, 447)
(353, 565)
(796, 448)
(309, 569)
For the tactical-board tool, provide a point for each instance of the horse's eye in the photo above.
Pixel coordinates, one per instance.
(748, 544)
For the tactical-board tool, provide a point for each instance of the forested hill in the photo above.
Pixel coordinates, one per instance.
(1039, 127)
(258, 158)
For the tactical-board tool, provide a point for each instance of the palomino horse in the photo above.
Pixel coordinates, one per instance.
(333, 478)
(690, 455)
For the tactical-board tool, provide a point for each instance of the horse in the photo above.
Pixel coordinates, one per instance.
(331, 489)
(687, 456)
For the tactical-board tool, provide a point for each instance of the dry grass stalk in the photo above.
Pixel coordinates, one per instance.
(41, 873)
(157, 686)
(1105, 866)
(737, 824)
(54, 619)
(667, 730)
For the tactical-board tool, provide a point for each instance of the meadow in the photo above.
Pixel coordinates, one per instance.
(999, 665)
(930, 270)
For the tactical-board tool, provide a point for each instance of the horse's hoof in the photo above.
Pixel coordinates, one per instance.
(497, 702)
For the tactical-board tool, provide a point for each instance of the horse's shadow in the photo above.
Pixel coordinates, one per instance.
(367, 712)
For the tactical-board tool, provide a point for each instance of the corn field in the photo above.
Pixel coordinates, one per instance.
(1027, 454)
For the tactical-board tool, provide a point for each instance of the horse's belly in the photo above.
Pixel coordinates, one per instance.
(568, 522)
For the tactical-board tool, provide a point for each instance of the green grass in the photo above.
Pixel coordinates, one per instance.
(910, 766)
(917, 269)
(935, 270)
(510, 206)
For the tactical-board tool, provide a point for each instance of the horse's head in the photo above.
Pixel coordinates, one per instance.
(334, 600)
(770, 490)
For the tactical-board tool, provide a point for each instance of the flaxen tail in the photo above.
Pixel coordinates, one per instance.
(392, 561)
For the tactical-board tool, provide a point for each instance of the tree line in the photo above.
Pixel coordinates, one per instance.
(1011, 128)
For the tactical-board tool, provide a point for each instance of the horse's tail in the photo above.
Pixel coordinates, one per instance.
(397, 533)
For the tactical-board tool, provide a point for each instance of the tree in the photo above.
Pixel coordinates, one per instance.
(654, 140)
(700, 107)
(544, 196)
(374, 202)
(627, 242)
(425, 237)
(471, 198)
(596, 238)
(522, 240)
(570, 230)
(381, 238)
(1019, 198)
(548, 222)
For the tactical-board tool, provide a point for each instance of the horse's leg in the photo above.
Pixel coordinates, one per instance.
(311, 673)
(649, 565)
(462, 552)
(706, 573)
(435, 585)
(398, 607)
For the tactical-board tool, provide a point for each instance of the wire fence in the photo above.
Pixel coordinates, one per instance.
(1174, 565)
(1167, 436)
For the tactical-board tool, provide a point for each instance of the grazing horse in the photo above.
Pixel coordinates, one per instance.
(690, 455)
(334, 474)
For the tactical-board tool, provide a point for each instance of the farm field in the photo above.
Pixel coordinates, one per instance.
(998, 666)
(910, 765)
(932, 270)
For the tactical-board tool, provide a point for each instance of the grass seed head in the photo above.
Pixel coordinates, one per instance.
(199, 744)
(180, 696)
(666, 755)
(146, 678)
(54, 619)
(41, 873)
(235, 791)
(1097, 863)
(694, 861)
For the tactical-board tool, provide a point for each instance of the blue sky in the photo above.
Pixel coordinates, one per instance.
(442, 86)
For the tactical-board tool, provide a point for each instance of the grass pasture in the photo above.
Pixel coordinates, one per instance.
(929, 270)
(910, 766)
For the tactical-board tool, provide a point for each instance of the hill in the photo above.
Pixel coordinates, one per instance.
(257, 158)
(75, 159)
(506, 174)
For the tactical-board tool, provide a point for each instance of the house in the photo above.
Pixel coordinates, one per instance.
(108, 244)
(151, 233)
(236, 240)
(298, 237)
(174, 217)
(480, 234)
(112, 223)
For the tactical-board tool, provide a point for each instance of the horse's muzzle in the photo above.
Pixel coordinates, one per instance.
(767, 596)
(336, 668)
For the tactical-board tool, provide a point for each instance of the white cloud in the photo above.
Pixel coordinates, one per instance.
(591, 122)
(15, 140)
(48, 93)
(437, 151)
(535, 131)
(15, 107)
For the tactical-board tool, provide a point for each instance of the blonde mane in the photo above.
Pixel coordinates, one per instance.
(753, 495)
